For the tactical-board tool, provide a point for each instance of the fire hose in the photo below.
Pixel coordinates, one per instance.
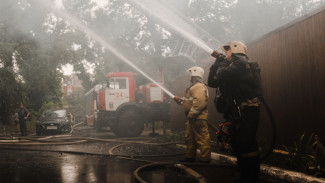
(274, 130)
(198, 177)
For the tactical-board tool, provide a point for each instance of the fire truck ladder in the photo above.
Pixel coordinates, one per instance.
(190, 50)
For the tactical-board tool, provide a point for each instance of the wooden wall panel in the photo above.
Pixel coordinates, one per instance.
(293, 73)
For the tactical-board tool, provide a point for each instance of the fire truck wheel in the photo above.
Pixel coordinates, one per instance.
(130, 124)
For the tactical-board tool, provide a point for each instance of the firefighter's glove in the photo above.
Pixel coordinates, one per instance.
(215, 54)
(178, 100)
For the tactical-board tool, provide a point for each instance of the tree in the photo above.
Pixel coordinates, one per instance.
(11, 91)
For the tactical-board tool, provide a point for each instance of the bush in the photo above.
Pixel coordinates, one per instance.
(308, 156)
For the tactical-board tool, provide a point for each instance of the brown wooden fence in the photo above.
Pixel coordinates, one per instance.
(292, 60)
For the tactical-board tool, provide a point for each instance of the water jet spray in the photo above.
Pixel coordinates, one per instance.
(171, 20)
(82, 27)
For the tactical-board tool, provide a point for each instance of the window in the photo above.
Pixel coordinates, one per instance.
(121, 83)
(117, 83)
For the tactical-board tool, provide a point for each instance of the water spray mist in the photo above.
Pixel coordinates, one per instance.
(171, 20)
(82, 27)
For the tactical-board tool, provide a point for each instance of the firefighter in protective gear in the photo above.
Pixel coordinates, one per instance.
(195, 104)
(237, 98)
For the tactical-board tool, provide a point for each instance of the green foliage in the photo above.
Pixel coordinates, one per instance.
(39, 73)
(308, 156)
(11, 90)
(75, 105)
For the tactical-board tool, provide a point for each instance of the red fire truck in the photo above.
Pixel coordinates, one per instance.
(122, 107)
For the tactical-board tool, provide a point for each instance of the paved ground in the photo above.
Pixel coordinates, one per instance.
(54, 163)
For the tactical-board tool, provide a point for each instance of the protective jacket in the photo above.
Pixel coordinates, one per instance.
(234, 80)
(195, 101)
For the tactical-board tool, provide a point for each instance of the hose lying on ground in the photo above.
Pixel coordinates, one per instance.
(68, 139)
(198, 177)
(119, 145)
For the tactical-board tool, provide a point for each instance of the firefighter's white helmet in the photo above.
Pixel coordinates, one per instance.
(196, 71)
(235, 46)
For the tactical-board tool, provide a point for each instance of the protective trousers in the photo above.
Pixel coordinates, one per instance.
(245, 146)
(197, 135)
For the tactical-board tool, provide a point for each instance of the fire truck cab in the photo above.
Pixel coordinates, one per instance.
(122, 107)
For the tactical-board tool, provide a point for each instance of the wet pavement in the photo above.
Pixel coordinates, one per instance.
(47, 167)
(97, 161)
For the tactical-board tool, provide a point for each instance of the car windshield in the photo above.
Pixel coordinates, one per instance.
(55, 114)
